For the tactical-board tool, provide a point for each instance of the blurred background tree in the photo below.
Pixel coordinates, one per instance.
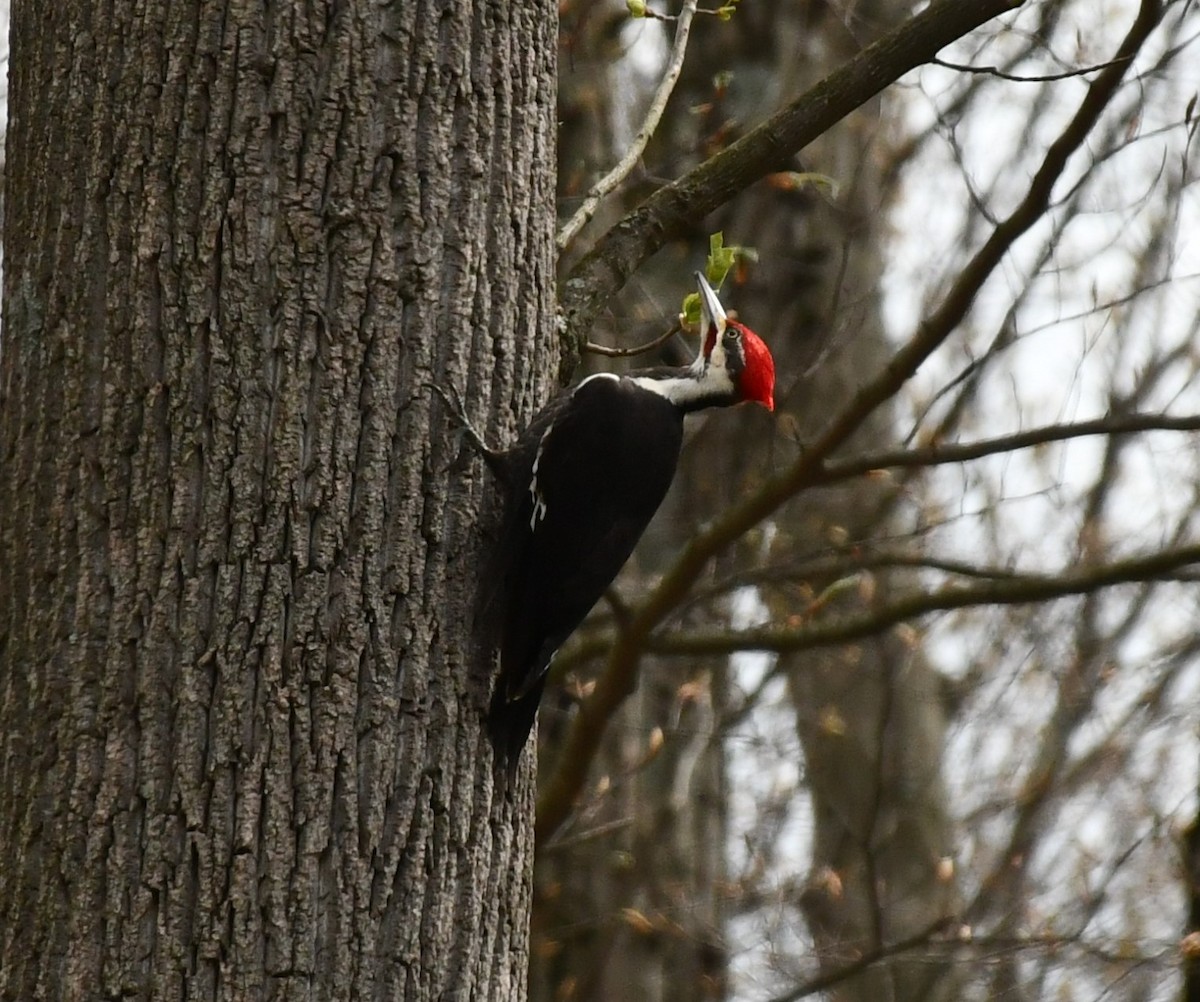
(924, 726)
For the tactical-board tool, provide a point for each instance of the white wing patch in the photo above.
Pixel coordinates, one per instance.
(539, 502)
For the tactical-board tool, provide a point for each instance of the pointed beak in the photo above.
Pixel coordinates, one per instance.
(712, 315)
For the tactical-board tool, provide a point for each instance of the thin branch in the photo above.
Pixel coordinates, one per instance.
(1020, 590)
(825, 981)
(591, 835)
(1120, 955)
(605, 186)
(840, 563)
(597, 642)
(607, 352)
(995, 71)
(940, 455)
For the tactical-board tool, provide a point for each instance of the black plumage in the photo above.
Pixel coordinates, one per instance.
(584, 480)
(615, 445)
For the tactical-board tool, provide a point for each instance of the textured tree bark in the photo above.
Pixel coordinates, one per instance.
(241, 743)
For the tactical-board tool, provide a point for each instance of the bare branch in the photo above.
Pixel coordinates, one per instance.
(602, 188)
(1119, 955)
(995, 71)
(673, 209)
(940, 455)
(619, 679)
(826, 981)
(1017, 590)
(591, 835)
(607, 352)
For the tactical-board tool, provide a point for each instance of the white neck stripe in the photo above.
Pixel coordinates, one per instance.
(684, 390)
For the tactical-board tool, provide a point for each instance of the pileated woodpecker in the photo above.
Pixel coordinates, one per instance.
(584, 480)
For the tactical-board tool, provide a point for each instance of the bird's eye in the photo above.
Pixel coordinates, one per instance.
(733, 334)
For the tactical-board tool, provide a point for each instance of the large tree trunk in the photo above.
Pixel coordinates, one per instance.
(241, 709)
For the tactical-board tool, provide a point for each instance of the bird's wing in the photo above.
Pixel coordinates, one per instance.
(588, 498)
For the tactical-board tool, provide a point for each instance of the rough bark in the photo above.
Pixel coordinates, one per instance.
(242, 750)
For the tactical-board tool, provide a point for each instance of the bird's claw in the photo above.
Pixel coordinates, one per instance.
(454, 403)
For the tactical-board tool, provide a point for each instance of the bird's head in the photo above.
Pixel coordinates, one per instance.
(733, 349)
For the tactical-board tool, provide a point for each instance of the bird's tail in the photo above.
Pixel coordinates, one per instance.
(509, 722)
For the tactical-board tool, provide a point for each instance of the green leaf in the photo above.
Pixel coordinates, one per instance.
(721, 261)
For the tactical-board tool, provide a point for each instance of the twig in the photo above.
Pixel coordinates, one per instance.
(825, 981)
(1018, 589)
(995, 71)
(601, 349)
(591, 835)
(602, 188)
(962, 452)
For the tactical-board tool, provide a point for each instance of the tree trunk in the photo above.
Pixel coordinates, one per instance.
(241, 708)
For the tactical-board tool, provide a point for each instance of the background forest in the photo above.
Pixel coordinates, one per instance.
(938, 710)
(897, 699)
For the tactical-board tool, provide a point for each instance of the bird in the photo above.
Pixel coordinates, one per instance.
(583, 481)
